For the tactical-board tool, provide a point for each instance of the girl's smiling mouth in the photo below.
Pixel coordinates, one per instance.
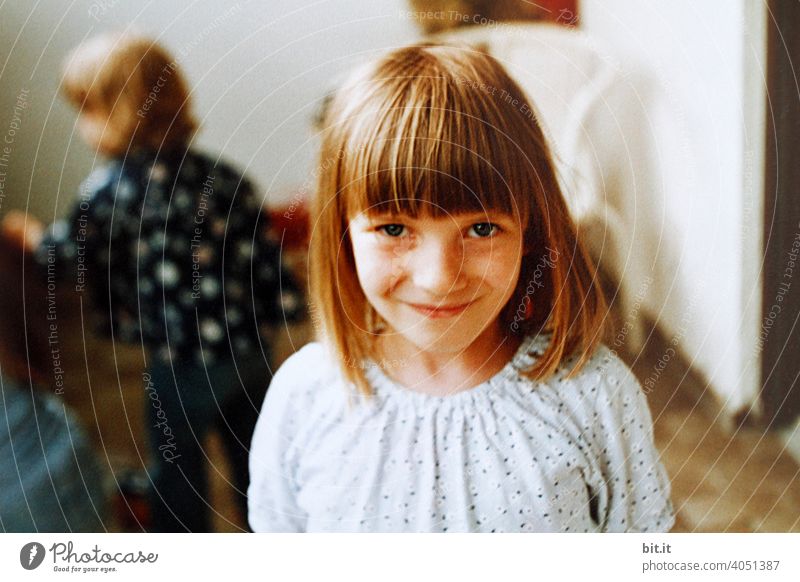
(439, 311)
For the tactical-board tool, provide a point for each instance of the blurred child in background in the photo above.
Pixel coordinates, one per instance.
(175, 252)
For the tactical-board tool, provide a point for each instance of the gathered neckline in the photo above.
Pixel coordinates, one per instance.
(522, 359)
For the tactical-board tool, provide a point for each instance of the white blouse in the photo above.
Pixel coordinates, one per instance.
(509, 455)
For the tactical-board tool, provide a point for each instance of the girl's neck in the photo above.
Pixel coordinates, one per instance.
(441, 373)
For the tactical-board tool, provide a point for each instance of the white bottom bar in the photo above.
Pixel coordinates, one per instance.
(354, 557)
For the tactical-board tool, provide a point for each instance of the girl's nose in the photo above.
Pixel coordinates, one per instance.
(439, 268)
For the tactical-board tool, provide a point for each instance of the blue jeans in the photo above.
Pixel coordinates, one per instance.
(185, 402)
(50, 480)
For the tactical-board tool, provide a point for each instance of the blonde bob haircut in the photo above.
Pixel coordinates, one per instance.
(136, 85)
(438, 129)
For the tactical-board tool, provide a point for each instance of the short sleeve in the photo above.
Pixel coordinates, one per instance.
(634, 490)
(272, 495)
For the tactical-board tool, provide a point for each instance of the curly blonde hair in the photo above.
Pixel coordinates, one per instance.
(136, 85)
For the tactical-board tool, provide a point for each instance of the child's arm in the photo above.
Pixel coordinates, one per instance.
(23, 230)
(633, 493)
(271, 497)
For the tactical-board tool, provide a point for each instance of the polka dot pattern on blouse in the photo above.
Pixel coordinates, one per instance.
(509, 455)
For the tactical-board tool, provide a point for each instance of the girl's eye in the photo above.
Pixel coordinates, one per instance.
(483, 229)
(392, 229)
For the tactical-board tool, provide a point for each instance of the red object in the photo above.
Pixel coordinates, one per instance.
(560, 11)
(130, 504)
(291, 225)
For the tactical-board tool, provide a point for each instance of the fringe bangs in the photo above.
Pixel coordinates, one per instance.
(421, 144)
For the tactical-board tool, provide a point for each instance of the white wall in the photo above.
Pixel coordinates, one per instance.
(707, 60)
(258, 68)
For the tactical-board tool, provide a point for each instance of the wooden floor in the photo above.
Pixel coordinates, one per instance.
(725, 478)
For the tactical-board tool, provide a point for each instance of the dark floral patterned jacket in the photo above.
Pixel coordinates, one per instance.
(174, 252)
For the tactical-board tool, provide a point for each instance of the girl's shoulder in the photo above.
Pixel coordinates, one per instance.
(603, 366)
(604, 389)
(307, 375)
(603, 363)
(603, 381)
(310, 362)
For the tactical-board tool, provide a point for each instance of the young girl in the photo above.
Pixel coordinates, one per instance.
(459, 384)
(171, 246)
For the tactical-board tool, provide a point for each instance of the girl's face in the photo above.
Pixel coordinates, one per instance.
(439, 283)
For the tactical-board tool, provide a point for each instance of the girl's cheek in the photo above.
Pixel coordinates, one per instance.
(501, 258)
(394, 264)
(379, 258)
(392, 250)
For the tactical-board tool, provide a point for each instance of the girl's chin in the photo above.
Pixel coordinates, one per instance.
(442, 337)
(450, 343)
